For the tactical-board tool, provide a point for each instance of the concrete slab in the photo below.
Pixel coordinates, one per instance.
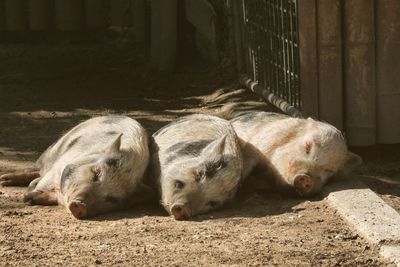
(367, 212)
(391, 253)
(369, 215)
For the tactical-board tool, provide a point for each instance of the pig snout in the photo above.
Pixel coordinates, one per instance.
(181, 212)
(78, 209)
(303, 184)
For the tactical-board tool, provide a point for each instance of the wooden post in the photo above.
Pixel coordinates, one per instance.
(139, 19)
(237, 35)
(96, 14)
(120, 13)
(15, 15)
(69, 14)
(388, 70)
(155, 32)
(39, 15)
(168, 35)
(2, 16)
(330, 77)
(360, 72)
(307, 19)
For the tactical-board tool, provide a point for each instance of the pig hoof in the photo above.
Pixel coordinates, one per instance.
(78, 209)
(38, 197)
(303, 184)
(30, 197)
(180, 212)
(18, 178)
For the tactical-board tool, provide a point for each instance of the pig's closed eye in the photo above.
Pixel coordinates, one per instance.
(179, 184)
(329, 171)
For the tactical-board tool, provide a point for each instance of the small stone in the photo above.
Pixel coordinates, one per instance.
(97, 261)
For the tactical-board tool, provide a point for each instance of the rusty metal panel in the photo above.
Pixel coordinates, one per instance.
(330, 77)
(307, 21)
(388, 70)
(359, 52)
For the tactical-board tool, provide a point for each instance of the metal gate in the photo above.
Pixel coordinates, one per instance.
(268, 50)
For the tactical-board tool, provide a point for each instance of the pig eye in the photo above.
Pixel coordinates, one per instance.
(213, 168)
(220, 164)
(96, 174)
(212, 204)
(179, 184)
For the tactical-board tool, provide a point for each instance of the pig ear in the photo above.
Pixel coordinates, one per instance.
(215, 148)
(352, 162)
(116, 145)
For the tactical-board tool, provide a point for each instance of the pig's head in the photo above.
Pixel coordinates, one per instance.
(311, 158)
(199, 184)
(97, 183)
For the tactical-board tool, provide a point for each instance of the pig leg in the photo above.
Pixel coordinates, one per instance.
(40, 192)
(22, 178)
(252, 158)
(33, 184)
(39, 197)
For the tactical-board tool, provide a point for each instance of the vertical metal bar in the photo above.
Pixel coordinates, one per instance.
(267, 46)
(307, 14)
(292, 65)
(286, 42)
(296, 56)
(275, 48)
(246, 35)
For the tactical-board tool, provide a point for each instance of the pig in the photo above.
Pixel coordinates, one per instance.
(196, 165)
(96, 167)
(301, 154)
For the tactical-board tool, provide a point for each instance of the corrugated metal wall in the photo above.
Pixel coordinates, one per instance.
(350, 65)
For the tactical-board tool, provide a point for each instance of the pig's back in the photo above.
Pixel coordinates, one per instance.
(93, 136)
(258, 123)
(194, 131)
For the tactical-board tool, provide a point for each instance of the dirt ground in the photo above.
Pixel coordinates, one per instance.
(46, 89)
